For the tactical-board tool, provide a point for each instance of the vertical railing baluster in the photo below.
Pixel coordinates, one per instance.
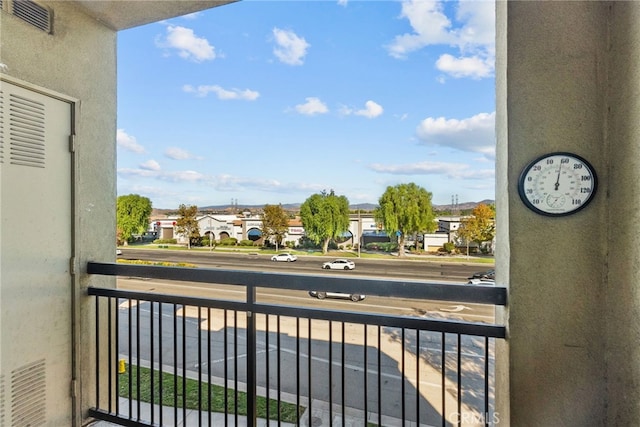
(160, 364)
(226, 371)
(486, 381)
(309, 370)
(344, 376)
(402, 377)
(251, 331)
(366, 372)
(235, 364)
(279, 370)
(98, 350)
(175, 363)
(298, 367)
(117, 356)
(267, 366)
(184, 363)
(138, 399)
(199, 334)
(418, 377)
(209, 369)
(151, 367)
(110, 354)
(443, 359)
(459, 368)
(330, 369)
(379, 376)
(129, 357)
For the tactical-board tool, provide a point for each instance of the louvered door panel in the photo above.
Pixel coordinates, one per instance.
(35, 239)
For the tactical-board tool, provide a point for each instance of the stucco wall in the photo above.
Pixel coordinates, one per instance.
(552, 96)
(623, 275)
(78, 61)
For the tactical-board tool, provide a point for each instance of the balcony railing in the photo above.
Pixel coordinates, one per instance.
(164, 359)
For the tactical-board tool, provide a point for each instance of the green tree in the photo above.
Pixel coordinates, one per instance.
(187, 224)
(480, 227)
(275, 223)
(132, 215)
(405, 210)
(325, 216)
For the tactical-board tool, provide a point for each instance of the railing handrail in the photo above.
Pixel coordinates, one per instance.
(447, 326)
(493, 295)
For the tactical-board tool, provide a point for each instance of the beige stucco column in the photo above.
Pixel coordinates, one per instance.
(568, 79)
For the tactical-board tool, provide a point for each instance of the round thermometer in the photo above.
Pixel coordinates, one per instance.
(557, 184)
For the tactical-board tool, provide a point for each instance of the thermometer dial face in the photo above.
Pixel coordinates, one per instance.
(557, 184)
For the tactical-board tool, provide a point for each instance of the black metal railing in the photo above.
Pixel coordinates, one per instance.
(166, 359)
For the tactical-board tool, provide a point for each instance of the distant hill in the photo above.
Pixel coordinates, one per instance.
(366, 207)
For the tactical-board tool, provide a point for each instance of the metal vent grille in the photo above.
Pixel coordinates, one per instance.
(26, 132)
(2, 418)
(28, 403)
(1, 128)
(31, 12)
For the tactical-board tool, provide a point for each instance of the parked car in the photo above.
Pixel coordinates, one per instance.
(489, 274)
(339, 264)
(482, 282)
(285, 257)
(323, 295)
(118, 252)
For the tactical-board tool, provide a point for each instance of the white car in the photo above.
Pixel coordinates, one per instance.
(481, 282)
(339, 264)
(285, 257)
(118, 252)
(323, 295)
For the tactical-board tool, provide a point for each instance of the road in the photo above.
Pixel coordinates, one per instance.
(294, 353)
(389, 269)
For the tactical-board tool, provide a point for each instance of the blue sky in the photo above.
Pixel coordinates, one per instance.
(272, 101)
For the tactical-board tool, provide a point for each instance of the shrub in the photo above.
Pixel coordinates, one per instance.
(449, 247)
(388, 246)
(229, 241)
(166, 241)
(246, 243)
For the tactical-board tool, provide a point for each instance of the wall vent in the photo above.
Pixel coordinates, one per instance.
(32, 13)
(28, 405)
(2, 418)
(1, 128)
(26, 131)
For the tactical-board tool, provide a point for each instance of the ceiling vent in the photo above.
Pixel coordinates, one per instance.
(32, 13)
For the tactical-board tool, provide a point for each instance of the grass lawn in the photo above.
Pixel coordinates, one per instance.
(289, 412)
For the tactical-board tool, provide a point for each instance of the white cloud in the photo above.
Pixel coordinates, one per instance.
(171, 176)
(312, 107)
(343, 3)
(290, 48)
(128, 142)
(371, 110)
(474, 134)
(222, 182)
(151, 165)
(472, 34)
(189, 46)
(221, 93)
(471, 66)
(176, 153)
(450, 170)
